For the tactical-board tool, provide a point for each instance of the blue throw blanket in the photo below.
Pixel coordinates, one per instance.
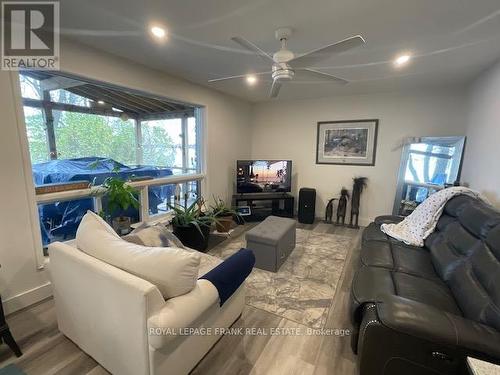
(230, 274)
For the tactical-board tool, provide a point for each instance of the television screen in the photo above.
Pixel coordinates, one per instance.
(263, 176)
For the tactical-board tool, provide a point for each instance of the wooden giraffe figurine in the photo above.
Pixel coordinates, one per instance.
(357, 189)
(342, 208)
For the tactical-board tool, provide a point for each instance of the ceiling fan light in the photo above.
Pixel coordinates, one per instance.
(251, 79)
(158, 32)
(402, 60)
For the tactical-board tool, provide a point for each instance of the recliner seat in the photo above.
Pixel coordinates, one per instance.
(443, 298)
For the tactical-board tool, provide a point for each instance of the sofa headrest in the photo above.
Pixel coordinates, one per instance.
(493, 241)
(479, 218)
(457, 204)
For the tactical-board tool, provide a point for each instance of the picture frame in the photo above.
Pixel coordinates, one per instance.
(347, 142)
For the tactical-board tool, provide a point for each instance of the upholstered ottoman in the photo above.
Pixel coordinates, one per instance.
(272, 241)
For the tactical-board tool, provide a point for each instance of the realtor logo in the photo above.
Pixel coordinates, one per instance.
(30, 35)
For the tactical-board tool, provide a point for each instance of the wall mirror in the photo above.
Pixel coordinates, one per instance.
(428, 164)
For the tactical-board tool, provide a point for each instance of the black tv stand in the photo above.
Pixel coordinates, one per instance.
(263, 205)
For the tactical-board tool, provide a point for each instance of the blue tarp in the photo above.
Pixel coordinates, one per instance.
(89, 169)
(62, 218)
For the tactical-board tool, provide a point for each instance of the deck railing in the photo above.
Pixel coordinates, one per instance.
(142, 186)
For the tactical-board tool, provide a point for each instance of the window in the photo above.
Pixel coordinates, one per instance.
(162, 143)
(162, 197)
(84, 131)
(37, 135)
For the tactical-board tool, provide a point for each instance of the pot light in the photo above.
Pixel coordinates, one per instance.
(158, 32)
(402, 60)
(100, 102)
(251, 79)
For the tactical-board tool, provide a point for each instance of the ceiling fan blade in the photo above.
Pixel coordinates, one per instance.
(235, 77)
(317, 75)
(323, 53)
(275, 89)
(252, 47)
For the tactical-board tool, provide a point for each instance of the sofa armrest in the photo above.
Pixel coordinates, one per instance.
(431, 324)
(181, 312)
(231, 273)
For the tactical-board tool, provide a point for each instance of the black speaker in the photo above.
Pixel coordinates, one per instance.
(307, 205)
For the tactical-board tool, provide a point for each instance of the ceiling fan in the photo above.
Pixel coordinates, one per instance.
(286, 66)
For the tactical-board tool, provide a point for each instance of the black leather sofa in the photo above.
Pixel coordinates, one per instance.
(424, 310)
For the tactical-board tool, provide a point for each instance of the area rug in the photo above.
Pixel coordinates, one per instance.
(303, 288)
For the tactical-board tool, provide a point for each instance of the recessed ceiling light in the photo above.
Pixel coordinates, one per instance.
(101, 102)
(251, 79)
(402, 60)
(158, 32)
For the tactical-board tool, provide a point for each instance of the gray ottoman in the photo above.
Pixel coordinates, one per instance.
(272, 241)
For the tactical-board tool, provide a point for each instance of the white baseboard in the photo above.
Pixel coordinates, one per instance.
(27, 298)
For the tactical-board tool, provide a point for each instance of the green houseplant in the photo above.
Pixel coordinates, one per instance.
(191, 225)
(223, 214)
(118, 197)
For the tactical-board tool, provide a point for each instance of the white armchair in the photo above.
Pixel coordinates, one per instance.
(124, 323)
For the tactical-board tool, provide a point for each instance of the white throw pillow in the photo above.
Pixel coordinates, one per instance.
(174, 271)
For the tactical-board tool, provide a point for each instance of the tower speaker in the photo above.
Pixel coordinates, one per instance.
(307, 205)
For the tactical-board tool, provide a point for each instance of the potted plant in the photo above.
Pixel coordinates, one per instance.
(191, 225)
(223, 214)
(119, 197)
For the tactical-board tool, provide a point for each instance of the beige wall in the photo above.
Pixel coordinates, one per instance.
(20, 282)
(482, 154)
(287, 129)
(227, 132)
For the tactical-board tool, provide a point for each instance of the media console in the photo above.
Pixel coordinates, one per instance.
(263, 205)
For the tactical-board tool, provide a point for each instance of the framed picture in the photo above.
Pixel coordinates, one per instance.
(350, 142)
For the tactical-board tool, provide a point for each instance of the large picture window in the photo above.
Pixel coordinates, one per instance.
(83, 131)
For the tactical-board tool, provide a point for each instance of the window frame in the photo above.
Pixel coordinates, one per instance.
(142, 186)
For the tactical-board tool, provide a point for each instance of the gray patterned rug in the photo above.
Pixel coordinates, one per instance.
(303, 288)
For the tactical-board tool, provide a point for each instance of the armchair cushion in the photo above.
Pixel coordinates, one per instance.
(174, 271)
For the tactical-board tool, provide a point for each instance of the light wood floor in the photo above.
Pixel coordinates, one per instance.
(47, 351)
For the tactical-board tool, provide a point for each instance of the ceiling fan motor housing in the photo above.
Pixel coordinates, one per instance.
(282, 72)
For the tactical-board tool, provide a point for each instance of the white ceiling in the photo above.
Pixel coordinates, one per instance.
(452, 40)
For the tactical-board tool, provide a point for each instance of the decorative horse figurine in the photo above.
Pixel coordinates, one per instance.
(357, 189)
(342, 208)
(329, 210)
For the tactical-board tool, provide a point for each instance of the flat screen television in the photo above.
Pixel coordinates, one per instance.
(263, 176)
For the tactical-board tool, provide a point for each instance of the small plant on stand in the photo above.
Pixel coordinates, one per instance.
(119, 197)
(223, 214)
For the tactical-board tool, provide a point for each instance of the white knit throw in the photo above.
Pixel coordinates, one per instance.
(416, 227)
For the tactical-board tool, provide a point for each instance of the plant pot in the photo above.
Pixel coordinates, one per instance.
(191, 237)
(224, 223)
(121, 225)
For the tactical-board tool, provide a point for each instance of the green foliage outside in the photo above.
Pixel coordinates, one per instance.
(82, 135)
(37, 138)
(158, 147)
(79, 135)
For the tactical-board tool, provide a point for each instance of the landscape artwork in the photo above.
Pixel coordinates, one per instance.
(345, 142)
(351, 142)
